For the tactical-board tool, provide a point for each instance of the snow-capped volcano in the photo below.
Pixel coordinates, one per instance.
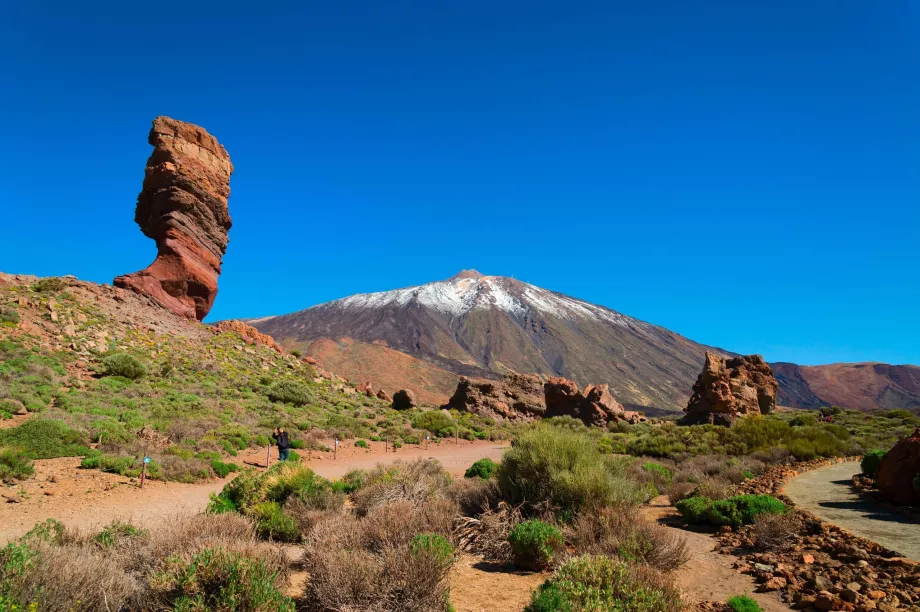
(486, 325)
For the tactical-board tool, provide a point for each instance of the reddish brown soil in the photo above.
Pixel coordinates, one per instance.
(89, 498)
(384, 368)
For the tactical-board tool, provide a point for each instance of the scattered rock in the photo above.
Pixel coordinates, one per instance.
(11, 498)
(595, 406)
(897, 471)
(728, 387)
(248, 333)
(403, 400)
(366, 388)
(383, 395)
(183, 207)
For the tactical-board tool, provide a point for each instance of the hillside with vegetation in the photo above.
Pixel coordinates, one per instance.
(99, 372)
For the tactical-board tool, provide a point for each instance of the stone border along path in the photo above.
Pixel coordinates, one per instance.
(828, 493)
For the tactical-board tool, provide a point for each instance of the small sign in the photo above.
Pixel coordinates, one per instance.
(146, 459)
(336, 442)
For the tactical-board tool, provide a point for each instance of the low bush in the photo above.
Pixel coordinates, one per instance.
(15, 466)
(743, 603)
(118, 532)
(218, 579)
(434, 544)
(564, 470)
(290, 392)
(734, 511)
(535, 544)
(660, 472)
(223, 469)
(272, 523)
(52, 284)
(775, 531)
(40, 438)
(484, 468)
(123, 364)
(474, 495)
(622, 532)
(361, 444)
(871, 461)
(9, 316)
(602, 583)
(416, 481)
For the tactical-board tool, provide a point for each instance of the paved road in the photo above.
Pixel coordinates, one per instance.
(828, 493)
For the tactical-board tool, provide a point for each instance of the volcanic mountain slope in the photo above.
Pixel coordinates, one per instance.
(484, 326)
(862, 386)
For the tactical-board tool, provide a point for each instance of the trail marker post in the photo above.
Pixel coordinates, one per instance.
(144, 470)
(268, 455)
(335, 452)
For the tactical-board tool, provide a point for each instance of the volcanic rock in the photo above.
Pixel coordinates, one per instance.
(516, 397)
(403, 400)
(248, 333)
(595, 406)
(898, 476)
(183, 207)
(728, 387)
(383, 395)
(366, 388)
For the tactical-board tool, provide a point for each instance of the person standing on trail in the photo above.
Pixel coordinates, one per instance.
(283, 442)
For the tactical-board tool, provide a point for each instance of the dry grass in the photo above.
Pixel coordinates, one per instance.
(474, 495)
(368, 563)
(775, 531)
(416, 481)
(622, 532)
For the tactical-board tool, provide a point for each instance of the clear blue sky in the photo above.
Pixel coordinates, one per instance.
(744, 173)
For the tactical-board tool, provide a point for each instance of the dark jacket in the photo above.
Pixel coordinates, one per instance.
(281, 439)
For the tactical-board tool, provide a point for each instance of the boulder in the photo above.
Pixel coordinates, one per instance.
(366, 388)
(248, 333)
(183, 208)
(403, 400)
(383, 395)
(594, 406)
(729, 387)
(899, 471)
(516, 397)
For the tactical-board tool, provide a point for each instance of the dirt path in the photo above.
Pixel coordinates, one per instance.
(477, 586)
(89, 498)
(708, 575)
(828, 493)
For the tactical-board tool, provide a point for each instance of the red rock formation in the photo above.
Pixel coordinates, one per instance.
(249, 334)
(403, 400)
(728, 387)
(183, 207)
(366, 388)
(898, 472)
(517, 397)
(383, 395)
(595, 406)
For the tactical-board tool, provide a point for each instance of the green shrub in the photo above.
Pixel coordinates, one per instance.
(45, 439)
(603, 583)
(223, 469)
(218, 579)
(659, 471)
(564, 469)
(272, 523)
(743, 603)
(435, 545)
(735, 511)
(220, 503)
(117, 532)
(830, 411)
(296, 353)
(52, 284)
(361, 444)
(123, 364)
(290, 392)
(15, 466)
(535, 544)
(484, 468)
(9, 316)
(871, 461)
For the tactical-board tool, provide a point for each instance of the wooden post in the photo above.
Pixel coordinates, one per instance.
(457, 436)
(268, 455)
(386, 443)
(335, 453)
(144, 470)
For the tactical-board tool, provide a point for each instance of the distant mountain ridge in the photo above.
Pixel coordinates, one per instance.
(484, 326)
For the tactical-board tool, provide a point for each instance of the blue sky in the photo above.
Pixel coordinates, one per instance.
(746, 174)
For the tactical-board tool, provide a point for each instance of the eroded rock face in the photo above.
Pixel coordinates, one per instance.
(183, 207)
(898, 471)
(517, 397)
(729, 387)
(593, 406)
(248, 333)
(404, 400)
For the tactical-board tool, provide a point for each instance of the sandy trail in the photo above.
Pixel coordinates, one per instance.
(828, 492)
(90, 499)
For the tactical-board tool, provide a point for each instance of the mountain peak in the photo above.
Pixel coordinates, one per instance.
(466, 274)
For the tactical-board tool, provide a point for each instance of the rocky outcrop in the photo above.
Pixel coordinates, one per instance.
(516, 397)
(403, 400)
(366, 388)
(248, 333)
(898, 476)
(593, 406)
(183, 207)
(383, 395)
(729, 387)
